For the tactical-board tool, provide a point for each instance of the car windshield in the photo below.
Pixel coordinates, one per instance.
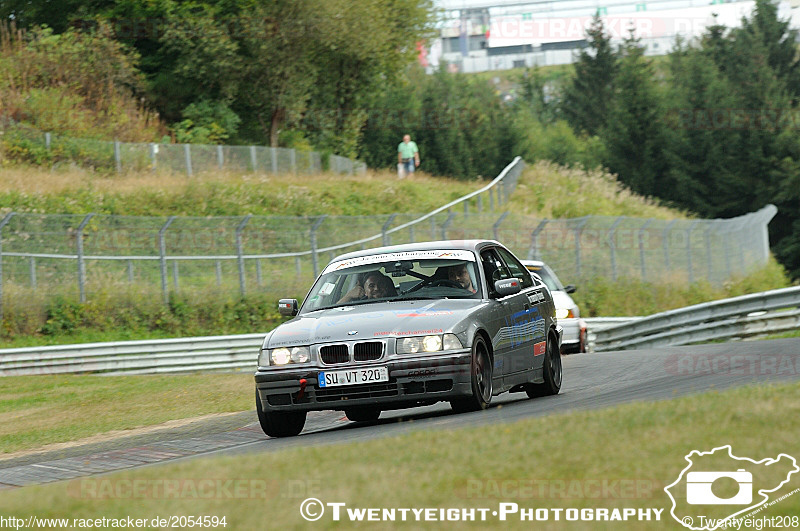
(394, 277)
(547, 277)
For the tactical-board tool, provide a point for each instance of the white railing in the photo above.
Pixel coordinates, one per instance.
(181, 355)
(737, 317)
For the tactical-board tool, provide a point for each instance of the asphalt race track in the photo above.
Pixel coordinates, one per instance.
(591, 381)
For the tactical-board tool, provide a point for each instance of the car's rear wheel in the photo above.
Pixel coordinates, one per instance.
(551, 371)
(363, 414)
(280, 423)
(481, 371)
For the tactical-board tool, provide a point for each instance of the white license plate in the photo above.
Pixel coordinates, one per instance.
(353, 376)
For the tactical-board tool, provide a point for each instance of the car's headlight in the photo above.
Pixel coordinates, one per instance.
(284, 356)
(561, 313)
(431, 343)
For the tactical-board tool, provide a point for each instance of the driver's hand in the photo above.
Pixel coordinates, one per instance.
(354, 294)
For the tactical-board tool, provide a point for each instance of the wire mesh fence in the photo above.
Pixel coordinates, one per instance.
(77, 255)
(176, 158)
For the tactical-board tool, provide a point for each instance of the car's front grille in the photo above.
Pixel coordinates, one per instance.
(356, 392)
(368, 351)
(334, 354)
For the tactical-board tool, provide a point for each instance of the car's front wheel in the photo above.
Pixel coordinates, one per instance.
(551, 371)
(363, 414)
(280, 423)
(481, 371)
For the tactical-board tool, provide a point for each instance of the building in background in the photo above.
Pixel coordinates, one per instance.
(481, 35)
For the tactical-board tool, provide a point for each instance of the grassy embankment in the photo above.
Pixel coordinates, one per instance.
(117, 314)
(612, 458)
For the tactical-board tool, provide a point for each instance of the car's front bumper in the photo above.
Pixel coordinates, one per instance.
(572, 332)
(411, 381)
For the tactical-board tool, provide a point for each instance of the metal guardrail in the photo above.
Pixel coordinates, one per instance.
(181, 355)
(737, 317)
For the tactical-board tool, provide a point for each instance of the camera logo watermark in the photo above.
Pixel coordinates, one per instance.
(716, 487)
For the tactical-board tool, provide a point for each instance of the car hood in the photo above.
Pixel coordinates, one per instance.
(368, 321)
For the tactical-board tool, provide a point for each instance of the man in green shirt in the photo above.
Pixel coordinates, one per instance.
(407, 155)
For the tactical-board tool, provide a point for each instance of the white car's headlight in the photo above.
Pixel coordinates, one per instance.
(431, 343)
(561, 313)
(284, 356)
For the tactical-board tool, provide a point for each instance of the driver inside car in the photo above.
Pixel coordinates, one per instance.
(460, 275)
(375, 285)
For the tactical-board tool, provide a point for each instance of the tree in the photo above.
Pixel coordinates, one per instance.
(588, 96)
(635, 132)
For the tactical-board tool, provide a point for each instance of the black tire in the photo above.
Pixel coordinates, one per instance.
(280, 424)
(363, 414)
(481, 370)
(551, 370)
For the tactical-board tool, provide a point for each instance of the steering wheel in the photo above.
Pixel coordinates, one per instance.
(446, 282)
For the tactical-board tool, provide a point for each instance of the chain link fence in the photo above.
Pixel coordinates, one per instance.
(77, 255)
(32, 144)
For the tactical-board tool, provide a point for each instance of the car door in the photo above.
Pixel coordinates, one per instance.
(503, 313)
(529, 321)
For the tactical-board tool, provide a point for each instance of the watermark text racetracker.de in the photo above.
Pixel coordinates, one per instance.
(313, 509)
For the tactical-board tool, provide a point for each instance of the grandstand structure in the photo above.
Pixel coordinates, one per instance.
(483, 35)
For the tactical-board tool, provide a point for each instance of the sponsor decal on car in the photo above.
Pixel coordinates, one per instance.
(409, 332)
(410, 255)
(539, 348)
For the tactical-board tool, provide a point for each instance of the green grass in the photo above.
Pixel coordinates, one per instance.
(31, 189)
(40, 410)
(641, 445)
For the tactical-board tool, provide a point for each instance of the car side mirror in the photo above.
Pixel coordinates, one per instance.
(570, 289)
(287, 307)
(507, 286)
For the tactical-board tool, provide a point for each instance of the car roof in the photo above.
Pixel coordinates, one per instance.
(466, 245)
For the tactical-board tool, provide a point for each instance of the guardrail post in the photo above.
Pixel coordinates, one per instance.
(187, 154)
(81, 266)
(497, 225)
(411, 233)
(153, 152)
(613, 246)
(578, 231)
(641, 247)
(253, 160)
(689, 249)
(386, 238)
(239, 253)
(491, 199)
(533, 250)
(33, 273)
(47, 138)
(220, 157)
(117, 157)
(433, 228)
(218, 271)
(317, 222)
(446, 224)
(466, 209)
(3, 224)
(162, 249)
(480, 203)
(298, 266)
(259, 276)
(130, 271)
(665, 242)
(708, 250)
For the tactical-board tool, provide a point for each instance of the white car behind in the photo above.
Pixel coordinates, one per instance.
(567, 312)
